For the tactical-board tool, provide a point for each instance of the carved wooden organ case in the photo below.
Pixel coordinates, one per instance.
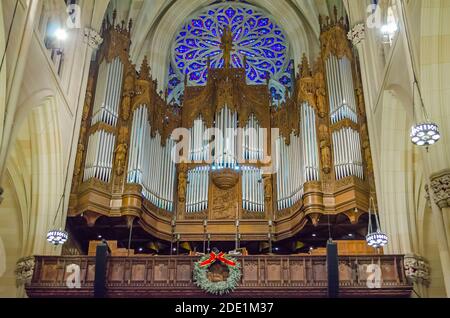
(286, 166)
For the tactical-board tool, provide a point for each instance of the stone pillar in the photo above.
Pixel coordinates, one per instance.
(440, 183)
(417, 271)
(24, 274)
(440, 232)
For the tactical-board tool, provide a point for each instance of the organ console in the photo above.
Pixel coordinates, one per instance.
(245, 159)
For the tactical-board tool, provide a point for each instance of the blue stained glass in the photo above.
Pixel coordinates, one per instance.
(182, 49)
(278, 47)
(230, 12)
(255, 35)
(269, 41)
(269, 54)
(264, 31)
(222, 18)
(263, 22)
(191, 42)
(197, 23)
(197, 66)
(197, 32)
(285, 80)
(209, 23)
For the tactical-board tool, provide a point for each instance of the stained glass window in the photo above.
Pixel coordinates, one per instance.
(255, 36)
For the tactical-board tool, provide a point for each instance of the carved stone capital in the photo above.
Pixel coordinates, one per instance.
(417, 269)
(24, 270)
(92, 38)
(440, 183)
(357, 34)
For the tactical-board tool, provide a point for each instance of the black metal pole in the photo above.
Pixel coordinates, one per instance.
(333, 269)
(101, 259)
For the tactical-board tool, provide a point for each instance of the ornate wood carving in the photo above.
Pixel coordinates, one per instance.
(225, 87)
(334, 39)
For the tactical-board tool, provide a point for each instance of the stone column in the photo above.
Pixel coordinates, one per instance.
(441, 236)
(417, 271)
(24, 273)
(440, 183)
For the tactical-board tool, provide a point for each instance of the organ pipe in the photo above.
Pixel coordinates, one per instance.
(197, 189)
(289, 165)
(346, 140)
(150, 164)
(99, 158)
(108, 94)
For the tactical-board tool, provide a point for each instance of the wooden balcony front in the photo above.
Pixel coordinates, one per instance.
(263, 276)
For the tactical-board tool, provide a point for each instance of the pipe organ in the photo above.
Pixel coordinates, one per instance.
(243, 159)
(149, 163)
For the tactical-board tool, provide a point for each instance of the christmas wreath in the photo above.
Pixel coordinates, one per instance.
(217, 274)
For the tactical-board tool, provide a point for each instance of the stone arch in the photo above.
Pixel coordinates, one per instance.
(34, 180)
(397, 170)
(156, 43)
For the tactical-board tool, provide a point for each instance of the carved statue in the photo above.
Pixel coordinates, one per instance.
(88, 99)
(126, 107)
(121, 154)
(325, 151)
(325, 148)
(368, 156)
(366, 147)
(268, 188)
(182, 184)
(321, 94)
(227, 46)
(79, 159)
(123, 134)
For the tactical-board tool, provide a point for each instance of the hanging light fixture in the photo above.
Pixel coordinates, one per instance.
(375, 238)
(57, 236)
(427, 133)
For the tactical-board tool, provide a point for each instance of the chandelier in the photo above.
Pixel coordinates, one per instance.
(425, 134)
(375, 238)
(57, 237)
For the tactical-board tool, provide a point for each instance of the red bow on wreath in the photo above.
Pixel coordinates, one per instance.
(217, 257)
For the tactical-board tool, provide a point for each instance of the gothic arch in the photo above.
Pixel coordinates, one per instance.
(161, 33)
(398, 171)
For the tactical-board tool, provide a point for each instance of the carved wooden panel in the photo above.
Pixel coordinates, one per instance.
(184, 273)
(49, 272)
(138, 272)
(224, 203)
(297, 272)
(117, 272)
(274, 272)
(161, 272)
(250, 272)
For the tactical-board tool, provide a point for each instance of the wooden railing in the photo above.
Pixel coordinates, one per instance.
(274, 276)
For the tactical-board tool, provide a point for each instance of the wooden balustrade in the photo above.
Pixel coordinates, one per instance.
(263, 276)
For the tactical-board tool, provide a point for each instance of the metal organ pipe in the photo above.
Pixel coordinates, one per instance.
(99, 158)
(299, 162)
(197, 190)
(309, 149)
(108, 92)
(150, 164)
(100, 153)
(346, 141)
